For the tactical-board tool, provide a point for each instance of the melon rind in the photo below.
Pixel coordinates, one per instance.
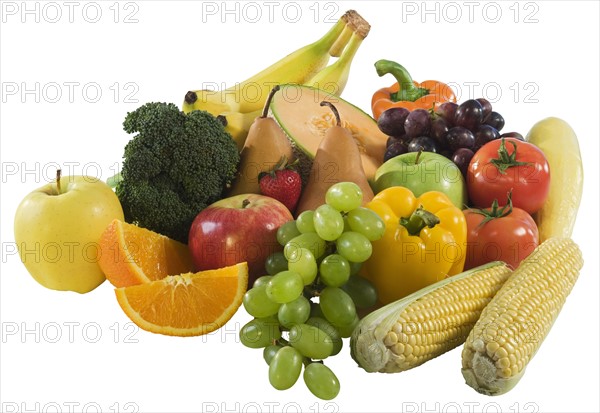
(304, 103)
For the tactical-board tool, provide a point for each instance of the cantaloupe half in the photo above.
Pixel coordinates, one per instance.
(297, 110)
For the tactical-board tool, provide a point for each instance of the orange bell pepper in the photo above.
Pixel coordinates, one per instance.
(425, 95)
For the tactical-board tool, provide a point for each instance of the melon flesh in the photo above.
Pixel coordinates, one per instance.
(298, 112)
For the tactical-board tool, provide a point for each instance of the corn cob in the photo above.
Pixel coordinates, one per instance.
(408, 332)
(514, 324)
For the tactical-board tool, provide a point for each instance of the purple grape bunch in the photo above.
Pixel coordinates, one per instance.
(452, 130)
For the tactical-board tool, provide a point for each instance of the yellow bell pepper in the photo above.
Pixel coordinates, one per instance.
(424, 242)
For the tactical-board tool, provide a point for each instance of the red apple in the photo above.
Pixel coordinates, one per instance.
(236, 229)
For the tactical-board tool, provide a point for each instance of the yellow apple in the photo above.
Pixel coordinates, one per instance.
(57, 229)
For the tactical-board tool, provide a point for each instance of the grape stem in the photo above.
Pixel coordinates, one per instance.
(281, 342)
(418, 220)
(407, 91)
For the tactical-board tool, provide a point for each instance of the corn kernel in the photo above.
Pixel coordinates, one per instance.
(390, 339)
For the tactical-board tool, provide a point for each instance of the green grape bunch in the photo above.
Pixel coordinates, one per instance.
(307, 301)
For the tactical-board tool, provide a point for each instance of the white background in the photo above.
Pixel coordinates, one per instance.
(548, 52)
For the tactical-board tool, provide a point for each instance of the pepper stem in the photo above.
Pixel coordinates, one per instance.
(418, 220)
(407, 90)
(58, 174)
(338, 121)
(504, 160)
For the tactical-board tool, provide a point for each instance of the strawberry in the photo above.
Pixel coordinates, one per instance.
(283, 183)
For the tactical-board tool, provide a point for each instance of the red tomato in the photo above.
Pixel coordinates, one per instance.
(509, 237)
(526, 174)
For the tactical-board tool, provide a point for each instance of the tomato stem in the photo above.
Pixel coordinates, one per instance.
(494, 211)
(506, 160)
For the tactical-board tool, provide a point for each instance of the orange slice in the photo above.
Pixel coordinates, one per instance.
(187, 304)
(132, 255)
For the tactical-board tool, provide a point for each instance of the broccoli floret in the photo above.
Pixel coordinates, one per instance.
(174, 167)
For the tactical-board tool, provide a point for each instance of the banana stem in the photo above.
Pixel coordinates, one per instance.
(349, 23)
(341, 42)
(334, 77)
(191, 97)
(350, 50)
(329, 39)
(358, 25)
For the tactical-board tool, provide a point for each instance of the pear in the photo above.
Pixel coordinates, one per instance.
(264, 147)
(337, 160)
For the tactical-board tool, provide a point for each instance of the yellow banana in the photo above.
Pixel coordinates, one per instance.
(250, 95)
(297, 67)
(355, 24)
(341, 42)
(238, 124)
(332, 79)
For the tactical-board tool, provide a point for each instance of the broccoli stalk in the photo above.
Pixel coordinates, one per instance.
(175, 166)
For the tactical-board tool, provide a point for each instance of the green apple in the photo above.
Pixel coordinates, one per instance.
(57, 228)
(423, 172)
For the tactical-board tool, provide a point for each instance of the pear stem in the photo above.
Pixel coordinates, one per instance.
(265, 111)
(338, 121)
(58, 174)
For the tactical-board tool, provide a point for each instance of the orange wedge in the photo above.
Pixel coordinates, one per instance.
(187, 304)
(132, 255)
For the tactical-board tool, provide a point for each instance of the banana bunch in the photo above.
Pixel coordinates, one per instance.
(240, 104)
